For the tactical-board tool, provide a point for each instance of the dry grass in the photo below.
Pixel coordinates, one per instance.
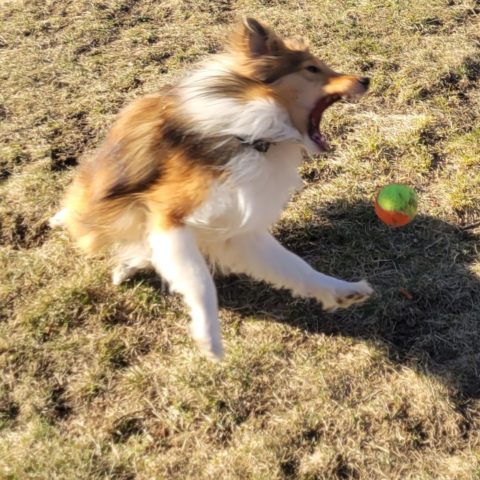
(100, 382)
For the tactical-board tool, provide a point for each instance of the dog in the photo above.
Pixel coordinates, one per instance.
(192, 177)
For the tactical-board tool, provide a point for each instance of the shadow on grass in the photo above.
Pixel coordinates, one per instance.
(426, 311)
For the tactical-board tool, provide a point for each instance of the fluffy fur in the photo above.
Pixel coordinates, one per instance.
(178, 185)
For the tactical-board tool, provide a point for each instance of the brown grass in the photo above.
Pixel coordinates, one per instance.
(103, 382)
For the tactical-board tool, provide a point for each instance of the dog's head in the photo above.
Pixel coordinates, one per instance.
(299, 80)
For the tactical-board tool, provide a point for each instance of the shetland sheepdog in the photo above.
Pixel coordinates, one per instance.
(192, 177)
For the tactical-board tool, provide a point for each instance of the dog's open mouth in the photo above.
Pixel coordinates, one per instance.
(315, 119)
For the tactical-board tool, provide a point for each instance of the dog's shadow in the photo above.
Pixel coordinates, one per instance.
(426, 311)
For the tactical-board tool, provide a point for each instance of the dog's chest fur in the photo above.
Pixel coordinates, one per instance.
(252, 194)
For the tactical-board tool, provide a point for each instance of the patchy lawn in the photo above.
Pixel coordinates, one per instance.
(102, 382)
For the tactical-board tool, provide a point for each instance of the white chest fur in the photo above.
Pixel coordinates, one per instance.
(253, 194)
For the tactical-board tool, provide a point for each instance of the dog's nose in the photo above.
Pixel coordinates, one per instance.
(365, 81)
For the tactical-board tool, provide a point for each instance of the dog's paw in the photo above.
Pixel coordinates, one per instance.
(58, 220)
(210, 345)
(346, 294)
(120, 274)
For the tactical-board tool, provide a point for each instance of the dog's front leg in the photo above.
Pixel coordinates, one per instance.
(176, 257)
(261, 256)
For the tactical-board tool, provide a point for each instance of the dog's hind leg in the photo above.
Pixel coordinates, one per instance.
(177, 258)
(131, 258)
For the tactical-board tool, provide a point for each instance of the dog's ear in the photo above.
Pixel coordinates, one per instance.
(257, 36)
(254, 39)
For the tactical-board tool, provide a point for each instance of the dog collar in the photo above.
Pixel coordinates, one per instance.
(259, 145)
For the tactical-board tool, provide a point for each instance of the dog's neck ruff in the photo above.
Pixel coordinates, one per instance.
(211, 99)
(259, 145)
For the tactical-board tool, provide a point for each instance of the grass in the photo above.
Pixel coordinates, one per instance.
(100, 382)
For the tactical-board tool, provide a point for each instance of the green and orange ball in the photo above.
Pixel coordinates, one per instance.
(396, 204)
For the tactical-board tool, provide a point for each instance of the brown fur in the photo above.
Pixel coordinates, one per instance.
(264, 56)
(267, 58)
(152, 170)
(147, 164)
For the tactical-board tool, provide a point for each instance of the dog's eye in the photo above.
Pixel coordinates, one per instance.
(313, 69)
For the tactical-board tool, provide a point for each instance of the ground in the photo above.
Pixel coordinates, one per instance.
(101, 382)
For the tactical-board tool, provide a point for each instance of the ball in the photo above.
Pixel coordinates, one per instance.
(396, 204)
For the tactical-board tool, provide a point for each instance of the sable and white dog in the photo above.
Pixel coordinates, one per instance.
(194, 176)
